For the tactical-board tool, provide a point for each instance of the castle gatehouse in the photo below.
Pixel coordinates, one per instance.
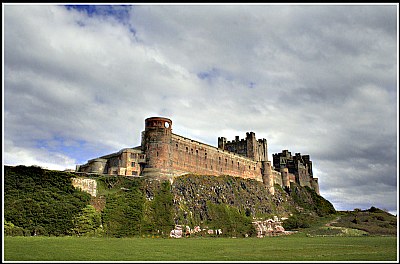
(165, 155)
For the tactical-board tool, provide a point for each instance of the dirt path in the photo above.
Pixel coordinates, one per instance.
(333, 221)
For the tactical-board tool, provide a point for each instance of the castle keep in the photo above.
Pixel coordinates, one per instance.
(164, 155)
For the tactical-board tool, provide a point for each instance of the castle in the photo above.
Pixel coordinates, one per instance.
(165, 155)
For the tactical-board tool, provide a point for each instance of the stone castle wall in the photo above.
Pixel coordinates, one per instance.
(170, 155)
(86, 185)
(165, 155)
(195, 157)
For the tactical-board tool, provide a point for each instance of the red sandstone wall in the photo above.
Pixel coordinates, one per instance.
(195, 157)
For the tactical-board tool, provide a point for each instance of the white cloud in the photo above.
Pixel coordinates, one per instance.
(320, 80)
(15, 155)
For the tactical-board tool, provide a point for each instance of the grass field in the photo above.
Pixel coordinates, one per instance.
(285, 248)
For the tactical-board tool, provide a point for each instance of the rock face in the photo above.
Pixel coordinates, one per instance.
(269, 227)
(86, 185)
(250, 197)
(178, 232)
(218, 204)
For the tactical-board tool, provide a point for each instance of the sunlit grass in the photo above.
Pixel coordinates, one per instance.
(285, 248)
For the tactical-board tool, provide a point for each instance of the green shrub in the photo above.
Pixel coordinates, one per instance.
(11, 230)
(87, 222)
(297, 221)
(229, 220)
(41, 202)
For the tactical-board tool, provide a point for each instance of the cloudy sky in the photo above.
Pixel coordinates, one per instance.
(316, 79)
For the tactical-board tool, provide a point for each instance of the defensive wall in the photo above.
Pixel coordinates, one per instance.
(165, 155)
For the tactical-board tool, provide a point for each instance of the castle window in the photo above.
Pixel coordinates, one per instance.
(205, 155)
(219, 160)
(197, 152)
(132, 164)
(133, 155)
(176, 146)
(157, 153)
(191, 150)
(187, 149)
(238, 164)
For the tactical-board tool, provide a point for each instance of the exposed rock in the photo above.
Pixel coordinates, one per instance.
(86, 185)
(269, 227)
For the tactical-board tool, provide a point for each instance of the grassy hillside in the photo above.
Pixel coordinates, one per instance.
(373, 221)
(41, 202)
(45, 202)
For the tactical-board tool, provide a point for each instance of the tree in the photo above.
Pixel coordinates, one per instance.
(11, 230)
(87, 222)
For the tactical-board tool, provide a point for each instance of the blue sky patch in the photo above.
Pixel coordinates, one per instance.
(72, 148)
(211, 74)
(118, 12)
(252, 85)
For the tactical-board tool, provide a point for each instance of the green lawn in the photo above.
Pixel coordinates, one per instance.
(287, 248)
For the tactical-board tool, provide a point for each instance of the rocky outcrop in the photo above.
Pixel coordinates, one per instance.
(270, 227)
(192, 192)
(86, 185)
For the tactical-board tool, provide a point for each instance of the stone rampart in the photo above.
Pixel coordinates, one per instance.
(86, 185)
(196, 157)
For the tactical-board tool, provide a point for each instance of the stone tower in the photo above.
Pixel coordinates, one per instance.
(156, 144)
(267, 176)
(285, 177)
(252, 150)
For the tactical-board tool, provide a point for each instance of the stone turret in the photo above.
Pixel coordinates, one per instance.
(315, 185)
(285, 177)
(221, 142)
(156, 143)
(267, 176)
(252, 152)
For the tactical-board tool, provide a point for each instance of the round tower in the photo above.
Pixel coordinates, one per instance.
(156, 144)
(314, 185)
(285, 177)
(267, 176)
